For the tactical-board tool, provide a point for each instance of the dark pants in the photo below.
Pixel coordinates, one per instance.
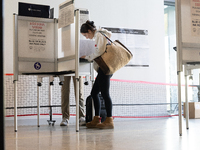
(102, 84)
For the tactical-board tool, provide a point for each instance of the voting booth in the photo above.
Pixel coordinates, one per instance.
(36, 52)
(188, 46)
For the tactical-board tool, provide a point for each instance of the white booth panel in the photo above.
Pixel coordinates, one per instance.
(84, 68)
(191, 55)
(25, 67)
(68, 41)
(35, 51)
(66, 65)
(188, 34)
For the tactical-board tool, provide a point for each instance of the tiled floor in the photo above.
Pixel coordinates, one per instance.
(129, 134)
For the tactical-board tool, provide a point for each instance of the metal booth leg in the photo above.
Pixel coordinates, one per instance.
(15, 105)
(187, 72)
(179, 103)
(39, 84)
(92, 79)
(77, 36)
(50, 102)
(61, 78)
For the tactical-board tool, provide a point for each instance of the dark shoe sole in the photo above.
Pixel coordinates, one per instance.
(105, 127)
(91, 126)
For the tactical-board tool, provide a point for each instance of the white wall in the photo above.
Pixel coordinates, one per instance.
(142, 14)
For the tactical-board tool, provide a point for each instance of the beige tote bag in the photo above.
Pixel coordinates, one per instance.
(115, 57)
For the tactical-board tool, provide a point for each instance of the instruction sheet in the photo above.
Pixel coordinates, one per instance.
(66, 14)
(195, 17)
(37, 36)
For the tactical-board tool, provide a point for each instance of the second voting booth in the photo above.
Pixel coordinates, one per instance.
(188, 46)
(36, 52)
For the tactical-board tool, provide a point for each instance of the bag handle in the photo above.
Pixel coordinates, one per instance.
(106, 37)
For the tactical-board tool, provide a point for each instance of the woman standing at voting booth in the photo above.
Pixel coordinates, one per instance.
(102, 82)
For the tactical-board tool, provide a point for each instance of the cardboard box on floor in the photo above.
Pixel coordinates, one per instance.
(194, 110)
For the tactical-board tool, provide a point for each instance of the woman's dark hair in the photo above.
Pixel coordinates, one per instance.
(89, 25)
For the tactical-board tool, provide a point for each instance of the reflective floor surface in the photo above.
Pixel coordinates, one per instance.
(128, 134)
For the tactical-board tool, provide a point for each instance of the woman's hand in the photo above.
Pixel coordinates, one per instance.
(83, 56)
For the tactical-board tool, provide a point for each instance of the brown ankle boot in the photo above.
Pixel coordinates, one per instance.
(94, 122)
(107, 124)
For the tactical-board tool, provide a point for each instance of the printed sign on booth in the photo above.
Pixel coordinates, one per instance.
(37, 36)
(195, 17)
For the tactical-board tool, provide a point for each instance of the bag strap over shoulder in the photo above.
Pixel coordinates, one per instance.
(106, 36)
